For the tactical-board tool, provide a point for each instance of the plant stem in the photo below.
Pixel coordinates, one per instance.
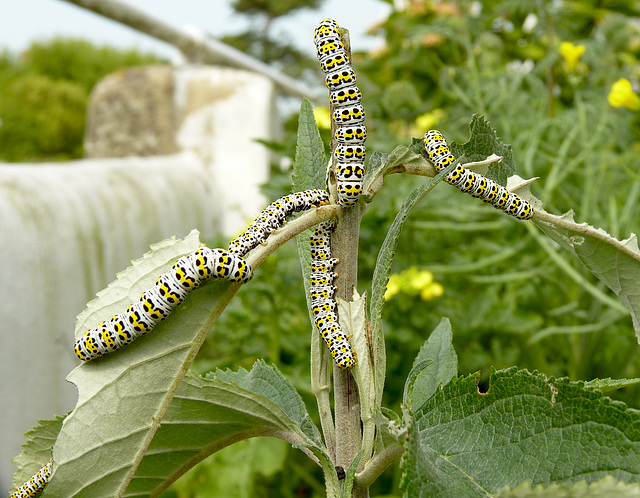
(378, 465)
(347, 400)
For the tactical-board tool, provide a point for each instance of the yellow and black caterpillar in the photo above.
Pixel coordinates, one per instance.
(155, 304)
(473, 183)
(35, 484)
(348, 113)
(323, 303)
(187, 273)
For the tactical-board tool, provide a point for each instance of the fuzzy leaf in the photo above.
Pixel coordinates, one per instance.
(310, 165)
(123, 396)
(36, 451)
(483, 142)
(442, 367)
(527, 427)
(207, 414)
(614, 262)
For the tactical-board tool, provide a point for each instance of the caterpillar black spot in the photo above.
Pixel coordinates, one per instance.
(473, 183)
(348, 113)
(155, 304)
(273, 216)
(322, 291)
(36, 483)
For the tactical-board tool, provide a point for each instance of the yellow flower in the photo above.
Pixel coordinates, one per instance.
(426, 122)
(323, 117)
(431, 291)
(393, 287)
(571, 54)
(622, 95)
(413, 282)
(418, 280)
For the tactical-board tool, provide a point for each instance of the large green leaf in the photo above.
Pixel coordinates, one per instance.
(607, 487)
(122, 397)
(208, 414)
(614, 262)
(526, 427)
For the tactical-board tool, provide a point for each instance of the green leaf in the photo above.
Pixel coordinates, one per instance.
(208, 414)
(309, 172)
(526, 427)
(442, 365)
(310, 165)
(614, 262)
(426, 473)
(268, 381)
(483, 142)
(609, 384)
(606, 487)
(379, 164)
(376, 164)
(387, 251)
(353, 321)
(350, 475)
(36, 451)
(123, 396)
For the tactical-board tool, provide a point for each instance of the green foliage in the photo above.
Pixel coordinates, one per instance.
(502, 287)
(43, 96)
(80, 61)
(41, 117)
(272, 8)
(510, 296)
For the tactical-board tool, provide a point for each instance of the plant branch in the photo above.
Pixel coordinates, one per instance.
(378, 465)
(197, 47)
(308, 219)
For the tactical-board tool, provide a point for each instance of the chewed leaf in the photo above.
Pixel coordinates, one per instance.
(483, 142)
(132, 282)
(526, 427)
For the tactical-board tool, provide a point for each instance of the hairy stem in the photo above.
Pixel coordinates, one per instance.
(347, 401)
(378, 465)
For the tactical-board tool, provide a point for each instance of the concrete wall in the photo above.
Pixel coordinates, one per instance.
(66, 229)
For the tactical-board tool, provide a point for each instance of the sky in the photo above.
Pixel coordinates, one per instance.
(22, 22)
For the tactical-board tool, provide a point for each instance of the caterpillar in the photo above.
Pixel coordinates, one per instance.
(321, 291)
(273, 216)
(348, 114)
(474, 183)
(155, 304)
(36, 483)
